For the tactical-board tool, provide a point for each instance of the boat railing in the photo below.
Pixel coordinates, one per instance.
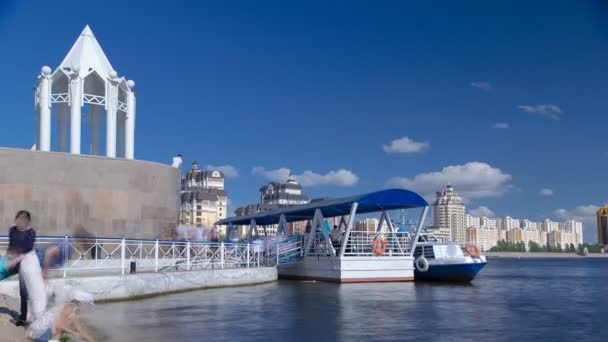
(360, 243)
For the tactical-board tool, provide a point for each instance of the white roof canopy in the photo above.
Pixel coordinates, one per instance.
(88, 55)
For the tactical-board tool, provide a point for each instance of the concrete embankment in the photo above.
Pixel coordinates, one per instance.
(133, 286)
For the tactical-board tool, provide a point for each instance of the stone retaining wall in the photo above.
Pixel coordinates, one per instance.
(108, 197)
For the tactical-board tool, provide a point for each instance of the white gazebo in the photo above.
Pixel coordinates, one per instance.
(85, 76)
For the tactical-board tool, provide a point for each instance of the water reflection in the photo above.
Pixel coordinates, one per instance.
(523, 300)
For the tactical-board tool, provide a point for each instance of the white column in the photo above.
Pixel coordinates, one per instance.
(120, 134)
(130, 122)
(95, 127)
(75, 110)
(44, 103)
(112, 107)
(62, 131)
(37, 127)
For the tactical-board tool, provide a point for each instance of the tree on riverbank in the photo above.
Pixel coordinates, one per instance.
(534, 247)
(591, 248)
(508, 246)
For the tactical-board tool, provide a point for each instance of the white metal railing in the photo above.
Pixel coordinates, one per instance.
(87, 98)
(94, 99)
(60, 98)
(122, 106)
(112, 255)
(360, 243)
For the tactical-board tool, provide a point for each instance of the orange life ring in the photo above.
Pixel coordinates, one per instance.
(473, 250)
(379, 245)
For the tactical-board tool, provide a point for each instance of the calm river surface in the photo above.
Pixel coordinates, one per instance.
(511, 300)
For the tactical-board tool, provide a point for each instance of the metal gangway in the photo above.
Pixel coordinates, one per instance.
(282, 250)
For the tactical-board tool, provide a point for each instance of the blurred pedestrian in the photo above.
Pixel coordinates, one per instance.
(31, 274)
(22, 238)
(214, 235)
(177, 161)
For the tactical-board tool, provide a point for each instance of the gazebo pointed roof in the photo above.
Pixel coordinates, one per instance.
(88, 54)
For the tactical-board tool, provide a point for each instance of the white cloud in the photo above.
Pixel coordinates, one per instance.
(308, 178)
(340, 177)
(472, 180)
(277, 175)
(406, 145)
(481, 212)
(486, 86)
(228, 170)
(501, 125)
(549, 110)
(583, 213)
(545, 192)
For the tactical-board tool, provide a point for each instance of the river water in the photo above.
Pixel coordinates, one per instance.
(510, 300)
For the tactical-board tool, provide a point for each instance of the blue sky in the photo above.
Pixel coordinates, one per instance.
(363, 95)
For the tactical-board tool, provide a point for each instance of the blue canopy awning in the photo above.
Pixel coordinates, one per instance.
(390, 199)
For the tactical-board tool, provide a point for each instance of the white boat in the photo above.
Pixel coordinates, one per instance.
(440, 261)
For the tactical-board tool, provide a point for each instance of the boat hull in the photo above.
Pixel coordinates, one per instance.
(350, 269)
(450, 272)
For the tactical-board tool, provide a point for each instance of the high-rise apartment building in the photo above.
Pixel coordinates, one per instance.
(203, 198)
(448, 212)
(602, 226)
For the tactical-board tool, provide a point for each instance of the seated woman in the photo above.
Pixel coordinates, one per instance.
(8, 263)
(62, 318)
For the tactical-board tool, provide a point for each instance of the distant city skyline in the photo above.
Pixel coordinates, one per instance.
(449, 217)
(349, 99)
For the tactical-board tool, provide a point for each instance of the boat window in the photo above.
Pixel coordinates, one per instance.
(428, 252)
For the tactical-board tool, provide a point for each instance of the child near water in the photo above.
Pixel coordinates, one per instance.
(62, 318)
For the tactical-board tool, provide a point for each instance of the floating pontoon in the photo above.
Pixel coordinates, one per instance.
(348, 255)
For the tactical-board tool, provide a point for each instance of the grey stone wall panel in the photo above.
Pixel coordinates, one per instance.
(107, 197)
